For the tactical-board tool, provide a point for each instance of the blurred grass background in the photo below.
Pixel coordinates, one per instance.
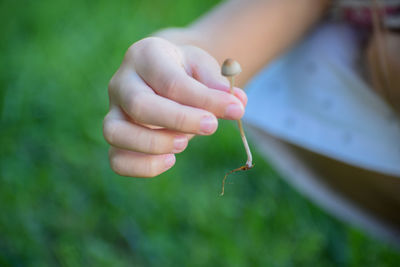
(61, 205)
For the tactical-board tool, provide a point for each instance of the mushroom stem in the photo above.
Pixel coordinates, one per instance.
(249, 162)
(231, 84)
(229, 69)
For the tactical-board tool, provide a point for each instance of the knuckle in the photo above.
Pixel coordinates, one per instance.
(152, 169)
(180, 120)
(131, 51)
(156, 142)
(141, 46)
(206, 102)
(152, 145)
(148, 41)
(136, 105)
(116, 164)
(113, 84)
(109, 130)
(171, 87)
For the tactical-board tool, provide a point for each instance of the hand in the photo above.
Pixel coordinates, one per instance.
(161, 95)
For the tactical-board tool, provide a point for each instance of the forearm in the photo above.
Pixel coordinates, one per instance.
(253, 32)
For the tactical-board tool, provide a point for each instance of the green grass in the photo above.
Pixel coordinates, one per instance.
(60, 204)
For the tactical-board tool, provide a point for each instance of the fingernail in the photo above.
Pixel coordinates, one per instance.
(169, 161)
(180, 143)
(234, 111)
(208, 125)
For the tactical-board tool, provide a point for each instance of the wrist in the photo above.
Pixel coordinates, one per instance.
(179, 36)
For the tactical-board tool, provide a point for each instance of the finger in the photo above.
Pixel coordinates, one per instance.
(145, 107)
(163, 71)
(126, 135)
(134, 164)
(205, 69)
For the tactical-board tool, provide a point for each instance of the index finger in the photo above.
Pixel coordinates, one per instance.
(161, 66)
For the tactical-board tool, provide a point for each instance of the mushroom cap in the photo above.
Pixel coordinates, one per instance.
(230, 67)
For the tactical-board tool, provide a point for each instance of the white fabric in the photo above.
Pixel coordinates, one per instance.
(313, 97)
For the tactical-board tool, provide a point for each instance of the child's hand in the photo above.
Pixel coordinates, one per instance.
(161, 95)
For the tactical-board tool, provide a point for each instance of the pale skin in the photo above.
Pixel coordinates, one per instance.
(169, 87)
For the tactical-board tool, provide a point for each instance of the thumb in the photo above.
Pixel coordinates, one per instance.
(205, 69)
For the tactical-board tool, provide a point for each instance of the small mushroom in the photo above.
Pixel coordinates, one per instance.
(230, 68)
